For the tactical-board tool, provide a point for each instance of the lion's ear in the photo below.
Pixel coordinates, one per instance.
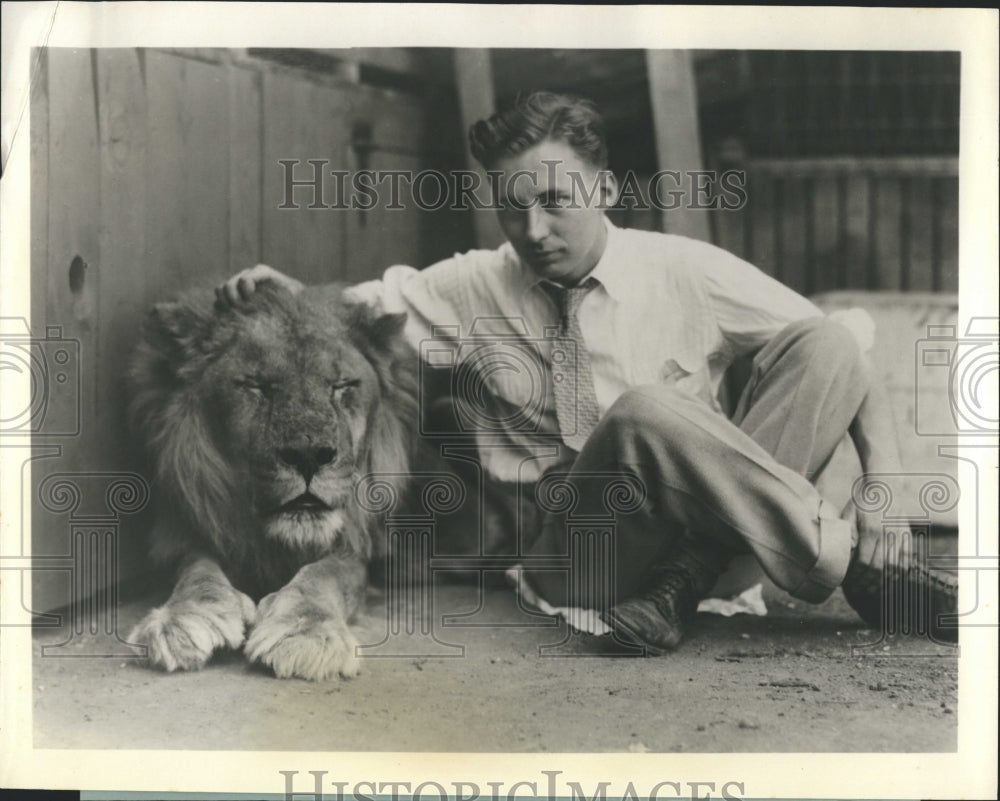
(387, 327)
(382, 331)
(176, 329)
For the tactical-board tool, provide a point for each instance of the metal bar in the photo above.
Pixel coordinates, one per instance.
(841, 231)
(905, 223)
(871, 267)
(878, 165)
(810, 278)
(936, 253)
(779, 240)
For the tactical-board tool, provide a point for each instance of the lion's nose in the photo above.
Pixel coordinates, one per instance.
(308, 459)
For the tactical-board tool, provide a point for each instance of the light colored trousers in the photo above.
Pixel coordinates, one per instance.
(740, 485)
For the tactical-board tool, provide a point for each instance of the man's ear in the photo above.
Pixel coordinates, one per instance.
(609, 189)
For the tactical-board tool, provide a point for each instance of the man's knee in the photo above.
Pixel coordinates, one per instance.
(650, 410)
(826, 342)
(821, 332)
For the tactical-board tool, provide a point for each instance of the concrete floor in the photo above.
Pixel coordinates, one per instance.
(785, 682)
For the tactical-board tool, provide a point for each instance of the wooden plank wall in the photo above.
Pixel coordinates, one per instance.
(824, 224)
(154, 171)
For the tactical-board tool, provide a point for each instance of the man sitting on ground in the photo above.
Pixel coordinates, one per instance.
(657, 320)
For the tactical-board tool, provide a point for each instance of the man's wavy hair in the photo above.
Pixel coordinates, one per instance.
(538, 117)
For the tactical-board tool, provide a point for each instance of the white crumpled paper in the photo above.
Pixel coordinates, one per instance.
(748, 602)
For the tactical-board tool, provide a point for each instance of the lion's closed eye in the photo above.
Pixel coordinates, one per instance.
(343, 387)
(257, 387)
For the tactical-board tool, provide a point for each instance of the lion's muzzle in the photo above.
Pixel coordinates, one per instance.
(308, 459)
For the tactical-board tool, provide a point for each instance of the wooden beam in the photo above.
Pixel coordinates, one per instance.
(673, 98)
(476, 101)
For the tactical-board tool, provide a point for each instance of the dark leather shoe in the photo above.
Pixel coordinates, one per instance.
(903, 599)
(658, 618)
(656, 627)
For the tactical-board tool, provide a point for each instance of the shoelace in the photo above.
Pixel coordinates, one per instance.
(677, 583)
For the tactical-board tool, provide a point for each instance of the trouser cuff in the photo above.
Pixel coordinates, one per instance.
(835, 538)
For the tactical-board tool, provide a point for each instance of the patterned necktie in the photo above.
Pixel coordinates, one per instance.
(573, 380)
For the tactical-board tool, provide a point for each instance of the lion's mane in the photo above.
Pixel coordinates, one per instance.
(203, 497)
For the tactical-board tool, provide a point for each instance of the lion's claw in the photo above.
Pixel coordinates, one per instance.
(309, 646)
(183, 635)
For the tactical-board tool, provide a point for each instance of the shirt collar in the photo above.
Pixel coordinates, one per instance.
(608, 270)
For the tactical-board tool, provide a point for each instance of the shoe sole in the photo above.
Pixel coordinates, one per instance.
(905, 605)
(622, 631)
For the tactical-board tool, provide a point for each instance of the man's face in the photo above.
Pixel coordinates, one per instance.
(552, 210)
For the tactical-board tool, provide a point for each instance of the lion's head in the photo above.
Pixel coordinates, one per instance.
(261, 417)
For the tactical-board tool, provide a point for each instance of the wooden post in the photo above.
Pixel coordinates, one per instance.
(673, 98)
(474, 79)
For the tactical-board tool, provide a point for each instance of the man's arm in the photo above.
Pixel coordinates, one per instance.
(751, 307)
(428, 297)
(873, 432)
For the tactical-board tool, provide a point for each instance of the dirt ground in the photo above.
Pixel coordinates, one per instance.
(785, 682)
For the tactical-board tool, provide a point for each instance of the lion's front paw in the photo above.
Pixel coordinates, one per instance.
(182, 635)
(298, 640)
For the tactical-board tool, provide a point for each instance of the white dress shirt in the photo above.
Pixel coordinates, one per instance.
(668, 310)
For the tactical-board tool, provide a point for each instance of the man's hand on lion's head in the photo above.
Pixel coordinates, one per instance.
(239, 288)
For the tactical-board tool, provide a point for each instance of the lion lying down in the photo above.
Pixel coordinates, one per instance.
(259, 419)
